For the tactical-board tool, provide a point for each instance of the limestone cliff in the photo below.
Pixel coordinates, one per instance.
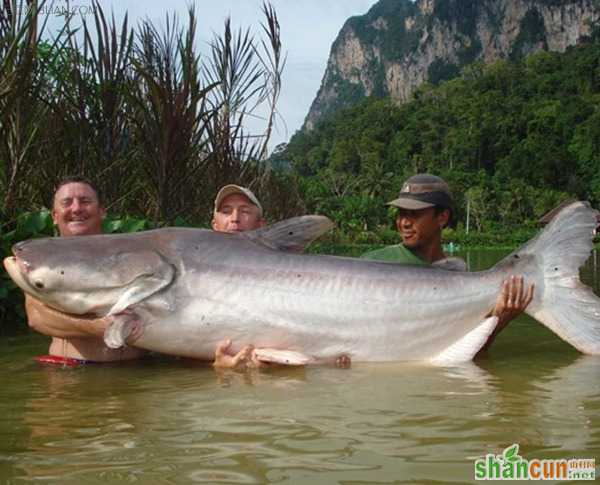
(399, 44)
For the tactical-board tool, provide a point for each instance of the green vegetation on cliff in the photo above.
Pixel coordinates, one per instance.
(398, 43)
(394, 40)
(513, 139)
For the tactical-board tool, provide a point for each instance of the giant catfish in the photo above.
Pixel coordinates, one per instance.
(193, 288)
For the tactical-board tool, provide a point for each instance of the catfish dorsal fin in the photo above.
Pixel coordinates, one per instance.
(291, 235)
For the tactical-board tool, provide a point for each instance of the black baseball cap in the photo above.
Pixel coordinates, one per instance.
(423, 190)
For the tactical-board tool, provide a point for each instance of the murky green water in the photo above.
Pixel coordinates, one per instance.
(169, 421)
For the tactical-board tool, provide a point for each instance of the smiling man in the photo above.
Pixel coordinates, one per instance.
(76, 211)
(424, 208)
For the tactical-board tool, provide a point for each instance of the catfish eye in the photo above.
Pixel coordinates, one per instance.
(39, 285)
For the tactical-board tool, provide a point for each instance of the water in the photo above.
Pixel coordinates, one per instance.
(173, 421)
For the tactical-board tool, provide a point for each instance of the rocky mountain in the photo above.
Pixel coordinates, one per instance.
(400, 44)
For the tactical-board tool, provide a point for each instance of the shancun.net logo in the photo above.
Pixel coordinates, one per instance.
(510, 466)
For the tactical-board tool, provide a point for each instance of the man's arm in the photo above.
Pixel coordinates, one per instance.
(511, 302)
(51, 322)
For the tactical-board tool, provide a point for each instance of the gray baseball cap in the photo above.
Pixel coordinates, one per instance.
(423, 190)
(230, 189)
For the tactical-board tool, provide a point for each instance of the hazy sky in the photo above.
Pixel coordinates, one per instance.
(308, 28)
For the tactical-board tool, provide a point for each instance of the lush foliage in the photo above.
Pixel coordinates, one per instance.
(513, 139)
(137, 110)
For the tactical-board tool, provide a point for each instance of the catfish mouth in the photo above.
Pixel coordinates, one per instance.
(73, 278)
(23, 266)
(18, 270)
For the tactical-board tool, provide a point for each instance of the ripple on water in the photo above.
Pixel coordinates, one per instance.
(171, 422)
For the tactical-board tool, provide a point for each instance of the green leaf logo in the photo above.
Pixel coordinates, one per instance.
(511, 453)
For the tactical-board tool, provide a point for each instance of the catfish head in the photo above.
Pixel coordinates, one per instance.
(103, 274)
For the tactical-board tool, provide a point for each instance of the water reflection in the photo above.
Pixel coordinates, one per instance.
(570, 397)
(173, 423)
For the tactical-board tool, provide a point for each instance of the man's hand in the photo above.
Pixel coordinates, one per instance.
(130, 320)
(511, 302)
(343, 361)
(244, 359)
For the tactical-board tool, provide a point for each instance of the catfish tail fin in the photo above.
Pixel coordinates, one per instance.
(553, 258)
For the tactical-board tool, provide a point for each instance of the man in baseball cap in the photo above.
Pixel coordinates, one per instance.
(422, 191)
(237, 209)
(425, 207)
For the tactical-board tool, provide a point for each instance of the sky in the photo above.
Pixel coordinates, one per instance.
(308, 28)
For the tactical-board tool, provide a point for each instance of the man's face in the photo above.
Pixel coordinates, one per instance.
(76, 210)
(235, 214)
(419, 228)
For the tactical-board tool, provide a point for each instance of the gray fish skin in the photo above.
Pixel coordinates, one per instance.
(194, 288)
(321, 306)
